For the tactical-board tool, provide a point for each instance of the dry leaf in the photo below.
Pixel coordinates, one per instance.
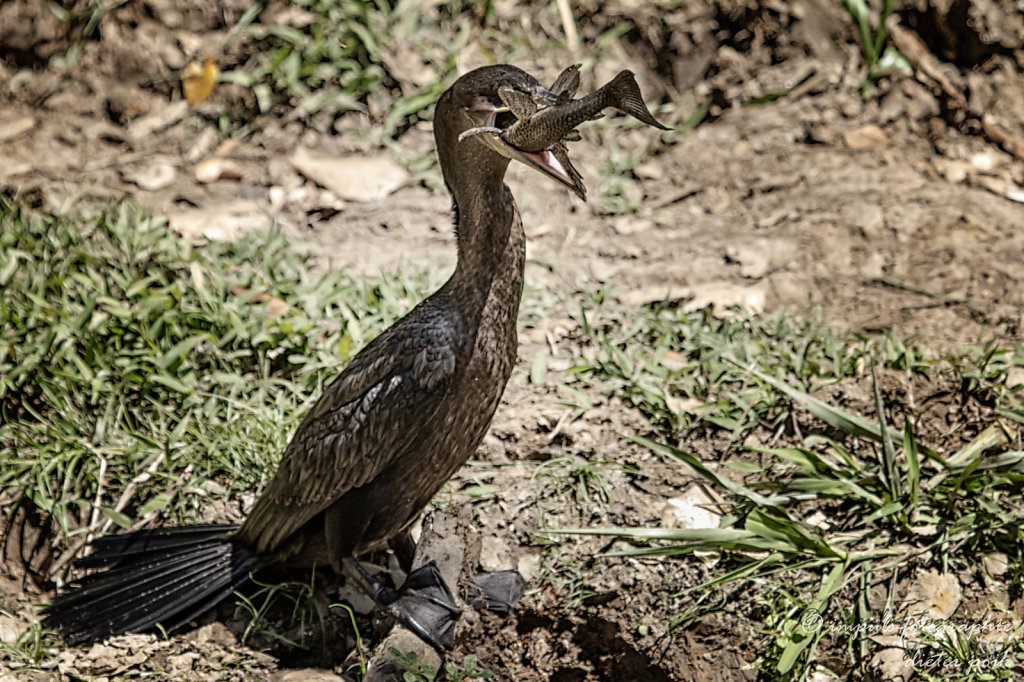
(694, 509)
(198, 81)
(936, 595)
(355, 178)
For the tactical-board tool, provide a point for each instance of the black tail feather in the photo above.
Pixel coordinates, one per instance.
(112, 549)
(167, 576)
(123, 594)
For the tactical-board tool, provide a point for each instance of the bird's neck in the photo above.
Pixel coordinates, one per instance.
(485, 214)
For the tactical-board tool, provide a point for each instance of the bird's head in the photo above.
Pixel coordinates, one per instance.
(474, 102)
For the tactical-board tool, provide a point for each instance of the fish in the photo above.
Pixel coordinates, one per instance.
(544, 124)
(537, 130)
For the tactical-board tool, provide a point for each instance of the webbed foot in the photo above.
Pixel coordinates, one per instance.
(499, 591)
(423, 604)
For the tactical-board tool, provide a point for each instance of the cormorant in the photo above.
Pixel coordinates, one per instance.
(398, 422)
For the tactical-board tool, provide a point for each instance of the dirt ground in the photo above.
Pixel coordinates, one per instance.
(904, 211)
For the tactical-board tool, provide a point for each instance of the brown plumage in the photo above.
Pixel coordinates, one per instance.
(397, 423)
(416, 402)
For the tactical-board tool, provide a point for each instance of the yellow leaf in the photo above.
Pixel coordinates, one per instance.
(197, 81)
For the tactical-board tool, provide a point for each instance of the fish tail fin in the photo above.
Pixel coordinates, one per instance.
(165, 575)
(627, 99)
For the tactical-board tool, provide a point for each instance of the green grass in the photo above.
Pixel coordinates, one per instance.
(148, 379)
(873, 32)
(892, 501)
(662, 357)
(342, 58)
(388, 59)
(391, 60)
(143, 376)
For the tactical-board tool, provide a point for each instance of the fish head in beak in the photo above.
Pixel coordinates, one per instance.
(552, 162)
(488, 115)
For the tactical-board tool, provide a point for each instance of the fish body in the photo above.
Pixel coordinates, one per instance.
(547, 120)
(538, 130)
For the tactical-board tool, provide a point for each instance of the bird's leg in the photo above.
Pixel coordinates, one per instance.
(424, 604)
(404, 548)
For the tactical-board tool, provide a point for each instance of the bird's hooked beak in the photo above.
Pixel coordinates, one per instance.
(544, 161)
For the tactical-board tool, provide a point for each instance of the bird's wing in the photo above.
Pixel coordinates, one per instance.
(363, 421)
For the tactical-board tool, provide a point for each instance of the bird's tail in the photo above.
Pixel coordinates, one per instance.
(166, 575)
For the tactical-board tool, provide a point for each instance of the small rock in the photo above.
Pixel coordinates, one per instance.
(213, 633)
(13, 127)
(674, 361)
(134, 641)
(203, 144)
(356, 598)
(719, 294)
(163, 117)
(893, 106)
(866, 137)
(224, 222)
(183, 663)
(650, 170)
(277, 196)
(227, 146)
(277, 307)
(995, 564)
(102, 653)
(212, 170)
(683, 405)
(983, 161)
(407, 65)
(954, 171)
(726, 295)
(753, 258)
(11, 628)
(629, 225)
(152, 178)
(819, 519)
(892, 664)
(528, 566)
(874, 266)
(821, 134)
(495, 554)
(281, 14)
